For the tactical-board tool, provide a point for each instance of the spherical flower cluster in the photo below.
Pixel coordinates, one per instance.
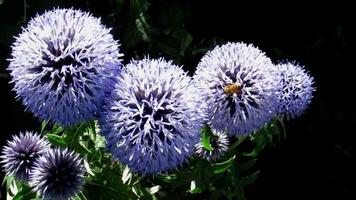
(219, 142)
(296, 89)
(57, 175)
(236, 82)
(20, 153)
(152, 119)
(61, 65)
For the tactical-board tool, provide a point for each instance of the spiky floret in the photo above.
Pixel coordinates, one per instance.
(20, 153)
(219, 142)
(61, 65)
(58, 174)
(236, 82)
(152, 119)
(296, 91)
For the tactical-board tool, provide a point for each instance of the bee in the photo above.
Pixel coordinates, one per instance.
(233, 88)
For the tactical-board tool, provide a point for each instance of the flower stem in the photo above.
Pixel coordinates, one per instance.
(280, 120)
(238, 142)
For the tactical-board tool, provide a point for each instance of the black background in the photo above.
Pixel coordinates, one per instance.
(316, 159)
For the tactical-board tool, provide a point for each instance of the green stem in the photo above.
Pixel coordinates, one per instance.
(280, 120)
(74, 139)
(92, 126)
(238, 142)
(240, 193)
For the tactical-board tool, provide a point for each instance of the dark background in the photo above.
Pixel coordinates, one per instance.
(316, 159)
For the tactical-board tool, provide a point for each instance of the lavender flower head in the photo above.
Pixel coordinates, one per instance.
(58, 174)
(20, 153)
(61, 65)
(219, 142)
(152, 120)
(296, 89)
(236, 82)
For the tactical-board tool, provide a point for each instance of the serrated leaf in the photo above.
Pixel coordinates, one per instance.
(221, 167)
(56, 140)
(82, 147)
(87, 167)
(154, 189)
(126, 175)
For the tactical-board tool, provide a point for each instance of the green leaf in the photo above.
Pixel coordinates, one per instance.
(184, 176)
(43, 125)
(82, 147)
(7, 180)
(194, 189)
(126, 175)
(56, 140)
(247, 165)
(11, 186)
(87, 167)
(143, 27)
(206, 134)
(247, 180)
(56, 129)
(154, 189)
(109, 190)
(80, 196)
(167, 178)
(221, 167)
(25, 194)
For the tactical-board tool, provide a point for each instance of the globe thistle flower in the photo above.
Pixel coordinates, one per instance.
(219, 142)
(20, 153)
(296, 89)
(151, 121)
(238, 86)
(58, 174)
(61, 65)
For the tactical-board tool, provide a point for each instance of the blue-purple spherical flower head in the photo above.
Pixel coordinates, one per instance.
(62, 64)
(152, 120)
(20, 153)
(296, 91)
(58, 174)
(219, 142)
(238, 87)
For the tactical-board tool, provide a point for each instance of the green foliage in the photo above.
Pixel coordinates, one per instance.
(206, 137)
(106, 178)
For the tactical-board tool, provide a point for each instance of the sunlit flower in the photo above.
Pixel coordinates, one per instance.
(62, 64)
(296, 90)
(238, 87)
(152, 120)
